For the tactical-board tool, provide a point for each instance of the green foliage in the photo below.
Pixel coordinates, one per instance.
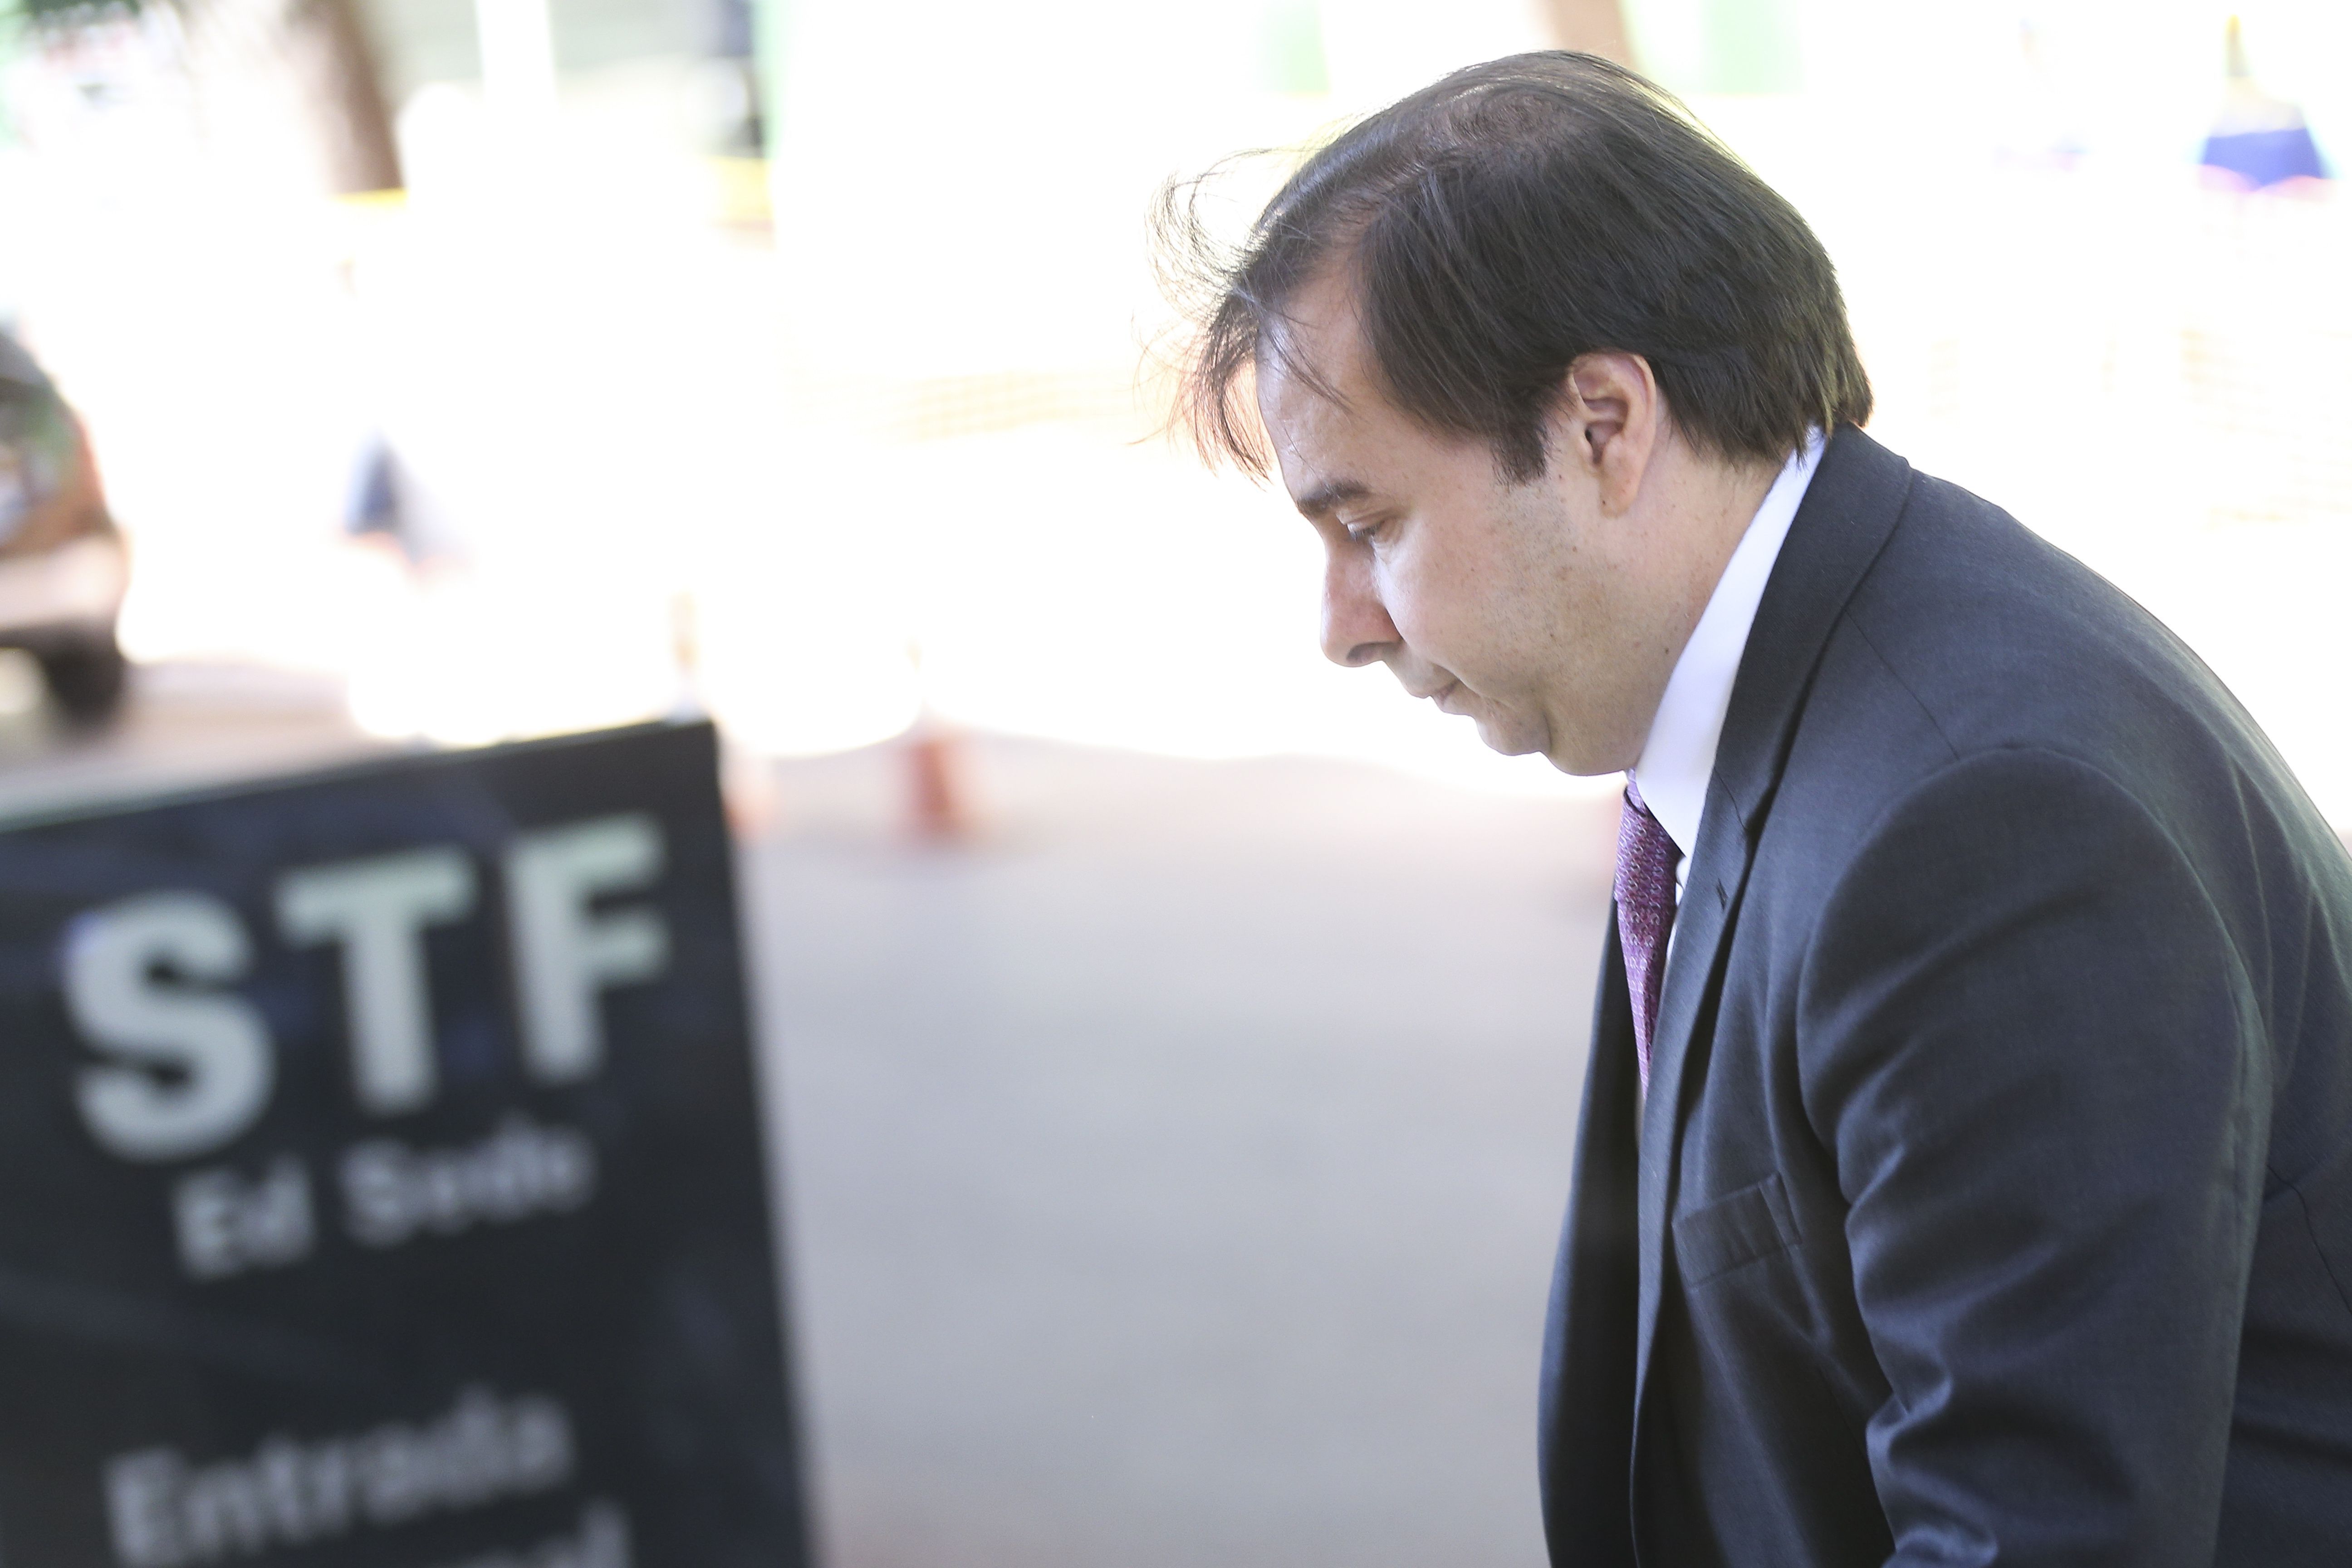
(1720, 46)
(1291, 47)
(62, 13)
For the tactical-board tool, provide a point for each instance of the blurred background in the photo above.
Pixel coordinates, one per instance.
(1175, 1040)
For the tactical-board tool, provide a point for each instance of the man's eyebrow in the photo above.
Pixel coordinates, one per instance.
(1325, 498)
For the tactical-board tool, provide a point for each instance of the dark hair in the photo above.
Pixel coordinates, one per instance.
(1506, 221)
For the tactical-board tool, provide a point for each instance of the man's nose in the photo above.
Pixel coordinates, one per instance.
(1356, 625)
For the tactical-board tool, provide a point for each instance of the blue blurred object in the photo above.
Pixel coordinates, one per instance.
(388, 502)
(376, 495)
(2259, 140)
(2265, 157)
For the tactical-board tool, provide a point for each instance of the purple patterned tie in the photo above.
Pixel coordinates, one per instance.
(1645, 913)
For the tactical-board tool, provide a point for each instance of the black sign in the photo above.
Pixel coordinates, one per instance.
(381, 1177)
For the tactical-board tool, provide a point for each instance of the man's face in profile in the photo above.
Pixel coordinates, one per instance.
(1491, 598)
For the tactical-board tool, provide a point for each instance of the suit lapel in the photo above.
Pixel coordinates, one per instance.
(1718, 873)
(1585, 1416)
(1849, 511)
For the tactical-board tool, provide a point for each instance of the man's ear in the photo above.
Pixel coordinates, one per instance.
(1607, 423)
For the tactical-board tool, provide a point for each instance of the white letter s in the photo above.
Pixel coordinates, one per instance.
(214, 1043)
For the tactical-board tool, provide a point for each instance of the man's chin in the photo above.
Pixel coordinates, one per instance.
(1519, 737)
(1585, 765)
(1511, 739)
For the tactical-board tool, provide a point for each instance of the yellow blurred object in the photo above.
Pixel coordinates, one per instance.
(739, 193)
(354, 222)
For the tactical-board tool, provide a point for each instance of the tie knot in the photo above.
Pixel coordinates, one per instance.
(1646, 857)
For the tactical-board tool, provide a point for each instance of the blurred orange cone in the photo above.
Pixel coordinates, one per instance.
(935, 764)
(935, 769)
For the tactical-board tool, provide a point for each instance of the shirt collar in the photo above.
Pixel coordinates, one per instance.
(1678, 758)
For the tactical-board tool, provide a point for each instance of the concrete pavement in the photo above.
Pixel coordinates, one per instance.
(1174, 1173)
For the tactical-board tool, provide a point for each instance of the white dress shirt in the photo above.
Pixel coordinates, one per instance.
(1678, 758)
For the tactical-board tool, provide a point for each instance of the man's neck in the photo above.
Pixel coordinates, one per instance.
(1703, 509)
(1678, 756)
(1722, 498)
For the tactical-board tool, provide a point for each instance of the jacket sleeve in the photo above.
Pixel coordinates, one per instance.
(2029, 1046)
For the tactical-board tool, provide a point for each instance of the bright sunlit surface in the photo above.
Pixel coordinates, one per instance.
(893, 450)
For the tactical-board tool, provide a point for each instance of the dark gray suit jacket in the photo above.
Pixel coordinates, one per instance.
(1993, 1202)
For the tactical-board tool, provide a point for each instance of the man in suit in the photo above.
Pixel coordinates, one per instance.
(1965, 1169)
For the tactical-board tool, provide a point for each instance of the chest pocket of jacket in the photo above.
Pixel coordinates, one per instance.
(1754, 1222)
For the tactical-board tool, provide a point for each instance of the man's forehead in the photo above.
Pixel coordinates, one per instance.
(1315, 427)
(1322, 413)
(1315, 343)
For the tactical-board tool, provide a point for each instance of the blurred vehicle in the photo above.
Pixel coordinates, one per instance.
(63, 568)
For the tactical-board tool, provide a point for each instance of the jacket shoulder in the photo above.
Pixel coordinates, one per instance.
(1968, 633)
(1971, 638)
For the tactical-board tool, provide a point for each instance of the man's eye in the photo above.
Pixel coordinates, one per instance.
(1362, 532)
